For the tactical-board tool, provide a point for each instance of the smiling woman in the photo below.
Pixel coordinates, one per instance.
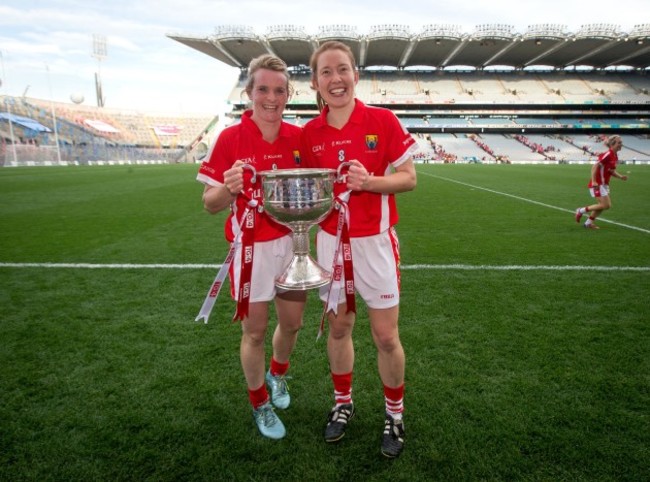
(261, 249)
(378, 151)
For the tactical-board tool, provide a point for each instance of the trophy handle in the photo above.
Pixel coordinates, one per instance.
(339, 175)
(252, 169)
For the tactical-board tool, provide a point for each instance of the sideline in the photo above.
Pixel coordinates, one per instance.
(636, 228)
(451, 267)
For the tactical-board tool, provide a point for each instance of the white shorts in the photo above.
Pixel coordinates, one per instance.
(375, 261)
(599, 191)
(270, 259)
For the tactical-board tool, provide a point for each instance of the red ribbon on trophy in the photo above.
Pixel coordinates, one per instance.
(244, 237)
(217, 284)
(247, 249)
(344, 267)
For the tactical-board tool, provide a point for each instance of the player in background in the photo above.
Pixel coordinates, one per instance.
(601, 172)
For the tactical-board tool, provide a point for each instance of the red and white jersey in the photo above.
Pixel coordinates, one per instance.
(243, 141)
(606, 165)
(376, 138)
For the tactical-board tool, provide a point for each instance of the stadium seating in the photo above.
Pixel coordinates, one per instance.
(89, 134)
(460, 116)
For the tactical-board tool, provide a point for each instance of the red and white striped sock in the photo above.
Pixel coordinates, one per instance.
(342, 388)
(394, 401)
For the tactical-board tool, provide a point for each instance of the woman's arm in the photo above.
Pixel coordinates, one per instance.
(402, 180)
(218, 198)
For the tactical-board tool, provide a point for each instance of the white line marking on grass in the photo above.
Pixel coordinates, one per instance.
(471, 267)
(459, 267)
(109, 266)
(564, 210)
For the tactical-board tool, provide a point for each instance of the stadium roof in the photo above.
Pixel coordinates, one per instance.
(437, 46)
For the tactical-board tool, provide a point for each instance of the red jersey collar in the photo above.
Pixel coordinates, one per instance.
(248, 124)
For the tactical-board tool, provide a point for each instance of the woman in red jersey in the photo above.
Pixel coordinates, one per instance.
(379, 152)
(601, 172)
(262, 247)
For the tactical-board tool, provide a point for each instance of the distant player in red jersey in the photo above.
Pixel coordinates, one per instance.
(601, 172)
(262, 140)
(379, 151)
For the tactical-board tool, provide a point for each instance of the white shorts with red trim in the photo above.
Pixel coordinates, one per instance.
(599, 191)
(270, 259)
(375, 262)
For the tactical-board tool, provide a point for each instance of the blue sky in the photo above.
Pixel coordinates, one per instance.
(47, 45)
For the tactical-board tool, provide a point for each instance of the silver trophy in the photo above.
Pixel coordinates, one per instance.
(298, 199)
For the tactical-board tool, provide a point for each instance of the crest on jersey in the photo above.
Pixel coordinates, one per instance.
(296, 156)
(371, 141)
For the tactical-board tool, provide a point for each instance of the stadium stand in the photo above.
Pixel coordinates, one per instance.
(492, 95)
(92, 135)
(484, 93)
(464, 147)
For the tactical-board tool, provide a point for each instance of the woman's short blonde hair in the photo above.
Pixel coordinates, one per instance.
(268, 62)
(612, 139)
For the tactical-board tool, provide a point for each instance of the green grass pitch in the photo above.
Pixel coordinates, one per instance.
(526, 336)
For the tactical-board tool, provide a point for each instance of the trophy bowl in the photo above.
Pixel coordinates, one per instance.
(298, 199)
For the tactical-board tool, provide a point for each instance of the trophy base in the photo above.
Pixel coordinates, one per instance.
(303, 273)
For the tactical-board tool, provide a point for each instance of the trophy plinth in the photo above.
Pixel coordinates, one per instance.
(298, 199)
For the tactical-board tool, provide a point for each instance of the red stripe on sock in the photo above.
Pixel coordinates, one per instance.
(394, 399)
(342, 387)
